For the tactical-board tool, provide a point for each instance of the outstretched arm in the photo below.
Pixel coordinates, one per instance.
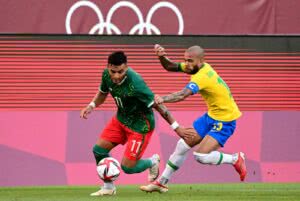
(174, 97)
(164, 112)
(165, 62)
(97, 100)
(168, 64)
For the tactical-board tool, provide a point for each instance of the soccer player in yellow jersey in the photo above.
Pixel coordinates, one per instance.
(210, 131)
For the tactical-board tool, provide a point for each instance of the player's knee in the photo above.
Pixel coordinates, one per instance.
(99, 150)
(100, 153)
(182, 147)
(128, 170)
(201, 158)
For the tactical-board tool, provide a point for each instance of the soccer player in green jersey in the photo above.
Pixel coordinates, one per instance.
(134, 122)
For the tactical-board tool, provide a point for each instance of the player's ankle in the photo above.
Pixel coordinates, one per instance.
(108, 185)
(154, 160)
(235, 158)
(163, 181)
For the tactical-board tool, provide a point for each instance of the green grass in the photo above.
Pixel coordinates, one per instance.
(230, 192)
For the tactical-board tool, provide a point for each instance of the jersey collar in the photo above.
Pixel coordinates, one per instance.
(122, 80)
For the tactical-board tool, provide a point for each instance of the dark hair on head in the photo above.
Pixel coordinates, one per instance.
(117, 58)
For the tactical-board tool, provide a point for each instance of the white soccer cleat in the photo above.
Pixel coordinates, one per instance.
(155, 187)
(104, 192)
(154, 170)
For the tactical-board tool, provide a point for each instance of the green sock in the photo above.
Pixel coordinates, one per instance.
(140, 166)
(100, 153)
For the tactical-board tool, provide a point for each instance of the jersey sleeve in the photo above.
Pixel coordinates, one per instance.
(181, 66)
(143, 92)
(103, 86)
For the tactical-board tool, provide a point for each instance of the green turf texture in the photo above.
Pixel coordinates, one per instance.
(182, 192)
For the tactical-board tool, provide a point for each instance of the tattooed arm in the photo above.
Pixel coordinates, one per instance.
(168, 64)
(164, 112)
(165, 62)
(174, 97)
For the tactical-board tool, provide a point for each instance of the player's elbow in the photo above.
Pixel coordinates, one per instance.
(167, 68)
(183, 97)
(170, 67)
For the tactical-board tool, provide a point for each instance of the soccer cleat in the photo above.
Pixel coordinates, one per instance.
(155, 187)
(154, 170)
(104, 192)
(240, 166)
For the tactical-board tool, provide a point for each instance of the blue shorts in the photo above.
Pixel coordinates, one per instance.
(219, 130)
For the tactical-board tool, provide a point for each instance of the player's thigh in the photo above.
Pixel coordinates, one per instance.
(106, 144)
(202, 126)
(112, 135)
(207, 145)
(222, 131)
(136, 145)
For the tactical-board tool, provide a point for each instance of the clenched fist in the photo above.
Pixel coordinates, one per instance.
(159, 50)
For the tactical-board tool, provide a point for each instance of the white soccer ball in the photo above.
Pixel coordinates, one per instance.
(109, 169)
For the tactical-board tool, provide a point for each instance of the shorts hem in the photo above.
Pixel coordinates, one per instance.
(220, 143)
(110, 140)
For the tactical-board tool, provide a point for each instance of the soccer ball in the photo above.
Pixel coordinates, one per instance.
(108, 169)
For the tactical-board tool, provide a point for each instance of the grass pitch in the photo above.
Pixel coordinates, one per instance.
(184, 192)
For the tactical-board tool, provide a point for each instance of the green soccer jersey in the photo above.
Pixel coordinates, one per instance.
(133, 99)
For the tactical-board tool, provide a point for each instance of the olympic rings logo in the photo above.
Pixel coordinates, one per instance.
(110, 28)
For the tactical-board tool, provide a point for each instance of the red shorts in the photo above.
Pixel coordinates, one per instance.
(118, 133)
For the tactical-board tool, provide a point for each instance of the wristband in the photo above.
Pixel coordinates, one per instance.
(174, 125)
(92, 104)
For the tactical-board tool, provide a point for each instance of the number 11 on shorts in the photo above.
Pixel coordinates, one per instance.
(135, 146)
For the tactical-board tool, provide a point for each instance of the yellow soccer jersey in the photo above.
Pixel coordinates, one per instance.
(220, 103)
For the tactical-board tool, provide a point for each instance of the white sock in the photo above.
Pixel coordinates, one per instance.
(227, 158)
(215, 158)
(108, 185)
(175, 161)
(235, 157)
(154, 159)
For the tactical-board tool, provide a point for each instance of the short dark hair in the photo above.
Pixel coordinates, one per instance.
(117, 58)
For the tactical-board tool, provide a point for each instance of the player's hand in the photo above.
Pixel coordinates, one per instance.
(180, 132)
(190, 133)
(159, 50)
(85, 111)
(187, 134)
(158, 100)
